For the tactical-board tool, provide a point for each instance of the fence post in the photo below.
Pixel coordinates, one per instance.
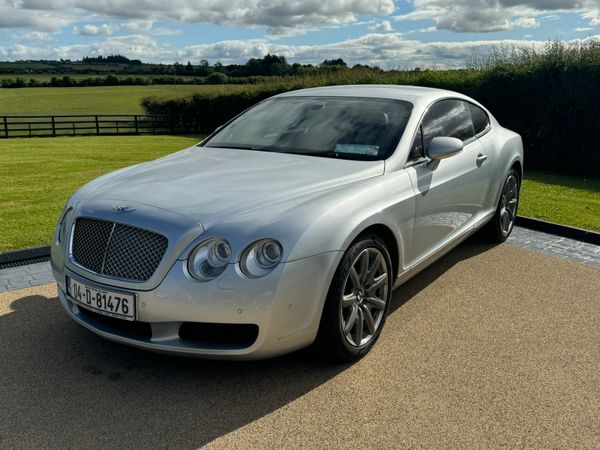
(97, 126)
(29, 128)
(53, 127)
(73, 123)
(5, 127)
(135, 118)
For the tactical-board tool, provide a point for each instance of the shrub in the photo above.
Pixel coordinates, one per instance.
(217, 78)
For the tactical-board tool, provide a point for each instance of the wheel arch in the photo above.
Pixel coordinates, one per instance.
(390, 240)
(518, 166)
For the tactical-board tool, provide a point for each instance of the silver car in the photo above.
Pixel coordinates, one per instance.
(288, 226)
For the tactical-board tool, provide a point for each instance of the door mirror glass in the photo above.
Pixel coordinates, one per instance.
(442, 147)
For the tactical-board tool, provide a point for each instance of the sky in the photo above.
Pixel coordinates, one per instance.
(392, 34)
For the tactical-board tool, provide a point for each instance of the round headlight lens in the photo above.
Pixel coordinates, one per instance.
(209, 259)
(261, 257)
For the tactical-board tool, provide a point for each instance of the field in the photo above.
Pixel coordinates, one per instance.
(562, 199)
(39, 174)
(46, 77)
(94, 100)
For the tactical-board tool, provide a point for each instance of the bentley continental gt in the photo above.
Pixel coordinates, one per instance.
(288, 226)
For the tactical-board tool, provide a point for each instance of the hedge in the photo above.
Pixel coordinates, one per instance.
(550, 97)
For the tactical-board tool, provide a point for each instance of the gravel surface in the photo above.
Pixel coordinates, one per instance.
(489, 347)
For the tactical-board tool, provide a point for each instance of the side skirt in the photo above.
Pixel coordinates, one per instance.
(428, 260)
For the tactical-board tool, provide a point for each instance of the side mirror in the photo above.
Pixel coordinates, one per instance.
(444, 147)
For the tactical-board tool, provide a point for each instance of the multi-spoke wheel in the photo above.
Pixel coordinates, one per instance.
(364, 297)
(358, 300)
(508, 204)
(499, 228)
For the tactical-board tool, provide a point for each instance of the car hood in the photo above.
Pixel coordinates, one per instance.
(211, 185)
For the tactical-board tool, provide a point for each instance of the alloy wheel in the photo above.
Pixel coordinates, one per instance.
(364, 297)
(508, 204)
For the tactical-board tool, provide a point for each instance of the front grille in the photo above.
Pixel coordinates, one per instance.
(117, 250)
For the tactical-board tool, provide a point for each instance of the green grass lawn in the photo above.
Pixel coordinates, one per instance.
(39, 174)
(94, 100)
(569, 200)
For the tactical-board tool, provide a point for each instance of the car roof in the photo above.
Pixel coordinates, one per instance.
(417, 95)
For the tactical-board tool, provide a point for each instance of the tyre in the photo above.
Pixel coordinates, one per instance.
(358, 301)
(500, 226)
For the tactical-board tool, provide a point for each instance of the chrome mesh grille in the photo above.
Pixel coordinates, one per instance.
(117, 250)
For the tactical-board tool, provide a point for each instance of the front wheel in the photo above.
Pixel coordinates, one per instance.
(500, 226)
(358, 301)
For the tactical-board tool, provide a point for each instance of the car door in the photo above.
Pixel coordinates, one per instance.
(488, 180)
(450, 192)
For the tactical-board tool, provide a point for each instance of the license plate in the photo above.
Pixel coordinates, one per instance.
(114, 304)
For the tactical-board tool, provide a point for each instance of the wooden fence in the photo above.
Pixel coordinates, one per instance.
(81, 125)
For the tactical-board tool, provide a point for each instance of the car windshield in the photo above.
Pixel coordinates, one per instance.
(337, 127)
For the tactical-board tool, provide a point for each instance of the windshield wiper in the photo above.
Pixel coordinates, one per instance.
(326, 154)
(234, 146)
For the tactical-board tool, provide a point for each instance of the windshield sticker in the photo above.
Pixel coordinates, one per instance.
(357, 149)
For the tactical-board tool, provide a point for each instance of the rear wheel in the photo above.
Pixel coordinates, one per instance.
(358, 301)
(499, 228)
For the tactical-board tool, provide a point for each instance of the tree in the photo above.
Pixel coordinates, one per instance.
(334, 62)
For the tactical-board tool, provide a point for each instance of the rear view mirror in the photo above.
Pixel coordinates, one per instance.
(444, 147)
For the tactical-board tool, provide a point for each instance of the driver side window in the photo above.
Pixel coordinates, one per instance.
(450, 118)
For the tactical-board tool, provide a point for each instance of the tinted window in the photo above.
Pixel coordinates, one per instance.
(480, 118)
(339, 127)
(448, 118)
(416, 151)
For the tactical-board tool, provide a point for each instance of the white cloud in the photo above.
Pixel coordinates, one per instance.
(496, 15)
(139, 25)
(277, 15)
(384, 26)
(39, 36)
(582, 29)
(147, 27)
(135, 46)
(593, 16)
(106, 29)
(13, 16)
(389, 50)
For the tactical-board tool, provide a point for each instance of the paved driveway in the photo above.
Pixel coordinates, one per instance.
(490, 347)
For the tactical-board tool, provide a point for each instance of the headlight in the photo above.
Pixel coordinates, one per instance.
(261, 257)
(209, 259)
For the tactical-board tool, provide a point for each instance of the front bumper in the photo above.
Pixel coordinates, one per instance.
(285, 305)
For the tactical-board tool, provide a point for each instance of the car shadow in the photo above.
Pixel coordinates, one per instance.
(63, 387)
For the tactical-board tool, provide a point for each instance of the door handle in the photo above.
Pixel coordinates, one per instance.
(480, 159)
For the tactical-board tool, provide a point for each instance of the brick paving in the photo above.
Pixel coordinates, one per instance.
(25, 276)
(581, 252)
(577, 251)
